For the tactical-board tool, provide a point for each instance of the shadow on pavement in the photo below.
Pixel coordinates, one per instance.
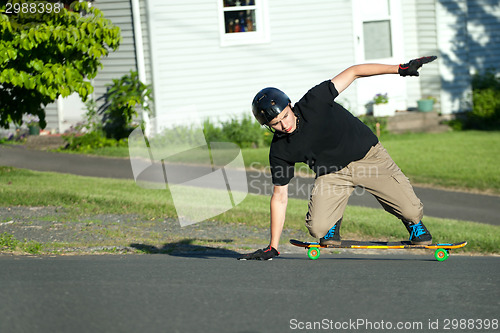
(187, 248)
(374, 257)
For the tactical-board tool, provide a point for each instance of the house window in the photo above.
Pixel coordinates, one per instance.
(239, 16)
(243, 22)
(378, 41)
(376, 18)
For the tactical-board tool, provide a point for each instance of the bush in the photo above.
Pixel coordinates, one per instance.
(486, 102)
(213, 133)
(121, 102)
(372, 121)
(87, 142)
(246, 133)
(178, 135)
(89, 134)
(485, 112)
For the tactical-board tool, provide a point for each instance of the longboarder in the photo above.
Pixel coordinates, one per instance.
(341, 150)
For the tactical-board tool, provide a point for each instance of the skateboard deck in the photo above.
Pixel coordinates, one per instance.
(441, 254)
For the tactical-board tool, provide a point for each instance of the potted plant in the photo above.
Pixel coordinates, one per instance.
(381, 106)
(33, 124)
(426, 104)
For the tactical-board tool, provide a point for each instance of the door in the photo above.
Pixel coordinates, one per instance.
(378, 39)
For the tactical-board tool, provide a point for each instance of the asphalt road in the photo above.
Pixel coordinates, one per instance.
(213, 292)
(437, 203)
(184, 293)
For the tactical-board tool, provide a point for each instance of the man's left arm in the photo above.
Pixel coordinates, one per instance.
(344, 79)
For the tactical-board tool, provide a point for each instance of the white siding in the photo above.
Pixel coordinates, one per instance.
(120, 62)
(51, 117)
(311, 41)
(145, 41)
(123, 60)
(452, 39)
(483, 27)
(430, 81)
(411, 48)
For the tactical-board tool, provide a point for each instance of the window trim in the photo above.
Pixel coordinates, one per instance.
(261, 36)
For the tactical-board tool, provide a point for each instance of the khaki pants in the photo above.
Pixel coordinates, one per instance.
(379, 175)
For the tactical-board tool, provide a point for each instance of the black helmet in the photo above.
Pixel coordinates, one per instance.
(268, 103)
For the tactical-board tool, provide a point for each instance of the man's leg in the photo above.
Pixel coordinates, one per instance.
(380, 176)
(328, 201)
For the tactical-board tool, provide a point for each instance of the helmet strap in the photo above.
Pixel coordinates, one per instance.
(269, 128)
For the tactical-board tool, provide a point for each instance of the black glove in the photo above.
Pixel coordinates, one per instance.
(265, 254)
(412, 67)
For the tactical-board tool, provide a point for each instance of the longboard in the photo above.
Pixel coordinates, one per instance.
(441, 254)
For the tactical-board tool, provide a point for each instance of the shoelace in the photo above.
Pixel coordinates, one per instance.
(330, 232)
(417, 230)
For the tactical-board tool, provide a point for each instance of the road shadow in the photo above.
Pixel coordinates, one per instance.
(188, 248)
(388, 258)
(363, 257)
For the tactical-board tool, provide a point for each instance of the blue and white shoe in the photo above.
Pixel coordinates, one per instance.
(419, 235)
(332, 237)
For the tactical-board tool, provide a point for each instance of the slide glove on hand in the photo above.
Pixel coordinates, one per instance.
(411, 68)
(264, 254)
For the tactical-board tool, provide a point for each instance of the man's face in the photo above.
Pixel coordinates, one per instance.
(285, 122)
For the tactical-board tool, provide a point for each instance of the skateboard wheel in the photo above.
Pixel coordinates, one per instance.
(313, 253)
(441, 254)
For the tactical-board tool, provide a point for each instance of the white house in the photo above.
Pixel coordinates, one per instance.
(214, 55)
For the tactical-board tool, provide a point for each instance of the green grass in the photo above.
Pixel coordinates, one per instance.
(11, 244)
(82, 197)
(457, 160)
(467, 160)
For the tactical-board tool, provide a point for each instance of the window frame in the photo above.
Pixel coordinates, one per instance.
(260, 36)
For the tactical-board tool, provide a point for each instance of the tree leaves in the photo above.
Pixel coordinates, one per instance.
(43, 56)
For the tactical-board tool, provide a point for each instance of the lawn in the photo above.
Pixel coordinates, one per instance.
(84, 198)
(465, 160)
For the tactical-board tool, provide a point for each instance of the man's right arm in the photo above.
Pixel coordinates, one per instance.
(279, 201)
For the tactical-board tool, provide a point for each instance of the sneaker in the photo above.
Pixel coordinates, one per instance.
(332, 237)
(419, 235)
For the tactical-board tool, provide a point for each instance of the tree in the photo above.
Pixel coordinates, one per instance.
(49, 50)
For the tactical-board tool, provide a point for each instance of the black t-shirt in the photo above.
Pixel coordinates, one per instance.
(327, 138)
